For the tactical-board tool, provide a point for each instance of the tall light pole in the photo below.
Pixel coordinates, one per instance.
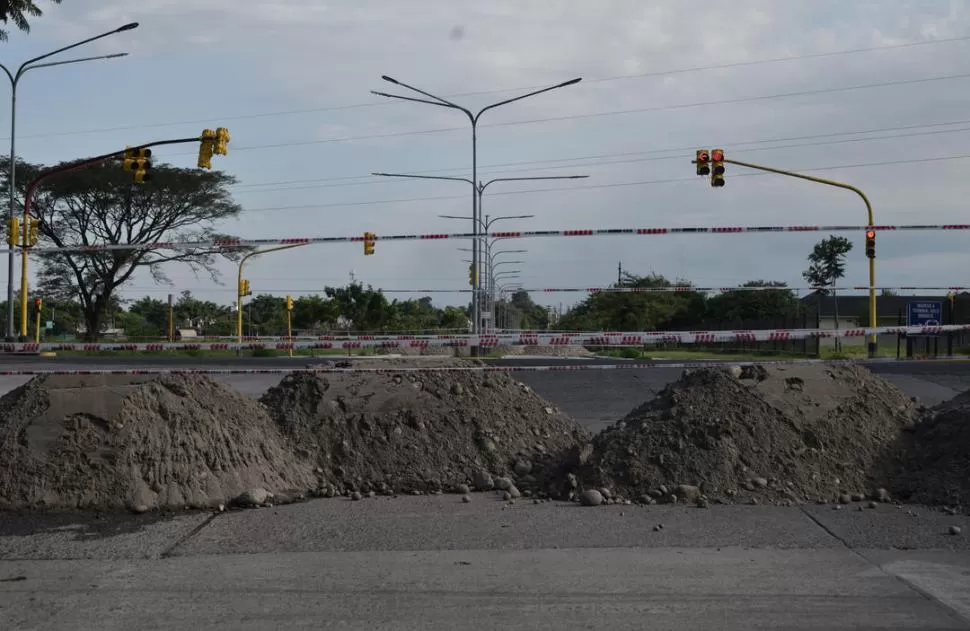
(476, 218)
(15, 77)
(490, 268)
(486, 225)
(473, 118)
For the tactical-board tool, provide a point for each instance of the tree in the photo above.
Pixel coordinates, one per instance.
(741, 307)
(99, 205)
(826, 265)
(18, 11)
(366, 309)
(632, 311)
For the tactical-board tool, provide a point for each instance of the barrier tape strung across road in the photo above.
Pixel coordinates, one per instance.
(491, 341)
(485, 369)
(523, 234)
(677, 289)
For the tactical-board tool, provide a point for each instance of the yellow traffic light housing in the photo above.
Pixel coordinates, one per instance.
(369, 243)
(13, 232)
(244, 288)
(717, 168)
(33, 231)
(289, 303)
(473, 275)
(206, 148)
(142, 165)
(221, 141)
(871, 244)
(38, 304)
(703, 162)
(128, 162)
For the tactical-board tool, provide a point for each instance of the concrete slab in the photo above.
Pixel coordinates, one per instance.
(617, 589)
(891, 527)
(87, 537)
(444, 523)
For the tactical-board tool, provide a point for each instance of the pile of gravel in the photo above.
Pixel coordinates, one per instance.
(395, 432)
(933, 457)
(139, 442)
(758, 434)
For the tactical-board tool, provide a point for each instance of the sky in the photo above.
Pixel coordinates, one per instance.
(827, 87)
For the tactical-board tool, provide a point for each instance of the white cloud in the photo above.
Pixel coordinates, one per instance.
(262, 56)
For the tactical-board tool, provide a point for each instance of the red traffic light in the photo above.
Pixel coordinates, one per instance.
(703, 156)
(870, 234)
(717, 155)
(37, 301)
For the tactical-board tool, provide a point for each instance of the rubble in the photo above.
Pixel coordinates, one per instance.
(423, 431)
(779, 434)
(145, 442)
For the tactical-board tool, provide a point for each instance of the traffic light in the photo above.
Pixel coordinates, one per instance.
(206, 148)
(717, 168)
(369, 243)
(128, 163)
(13, 232)
(871, 244)
(703, 162)
(33, 231)
(473, 275)
(244, 288)
(142, 164)
(289, 303)
(38, 305)
(222, 142)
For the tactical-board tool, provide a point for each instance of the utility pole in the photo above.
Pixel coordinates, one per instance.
(619, 272)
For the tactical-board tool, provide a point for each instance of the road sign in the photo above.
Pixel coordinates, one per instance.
(928, 313)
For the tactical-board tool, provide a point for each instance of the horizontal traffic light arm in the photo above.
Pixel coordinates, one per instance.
(810, 178)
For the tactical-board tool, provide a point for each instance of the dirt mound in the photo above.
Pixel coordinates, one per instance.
(427, 431)
(794, 433)
(933, 460)
(141, 442)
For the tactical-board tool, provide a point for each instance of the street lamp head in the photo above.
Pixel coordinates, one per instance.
(578, 177)
(390, 96)
(570, 82)
(390, 79)
(127, 27)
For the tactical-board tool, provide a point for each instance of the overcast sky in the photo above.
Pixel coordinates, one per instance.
(291, 80)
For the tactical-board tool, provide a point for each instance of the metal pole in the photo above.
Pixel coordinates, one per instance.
(476, 328)
(12, 207)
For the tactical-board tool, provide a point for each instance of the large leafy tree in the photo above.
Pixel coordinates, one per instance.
(18, 12)
(366, 309)
(100, 205)
(752, 306)
(631, 311)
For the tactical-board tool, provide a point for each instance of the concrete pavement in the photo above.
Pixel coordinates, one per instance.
(432, 562)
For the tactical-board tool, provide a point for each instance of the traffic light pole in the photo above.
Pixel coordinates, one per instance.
(239, 280)
(29, 196)
(871, 222)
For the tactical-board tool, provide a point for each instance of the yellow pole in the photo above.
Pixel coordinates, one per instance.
(869, 217)
(289, 329)
(239, 278)
(37, 325)
(23, 275)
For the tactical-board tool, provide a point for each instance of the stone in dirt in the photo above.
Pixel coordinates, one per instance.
(782, 434)
(417, 431)
(932, 466)
(140, 442)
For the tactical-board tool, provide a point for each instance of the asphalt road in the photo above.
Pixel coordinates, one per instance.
(594, 398)
(436, 563)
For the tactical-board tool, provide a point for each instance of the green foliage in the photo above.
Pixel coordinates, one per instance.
(17, 11)
(97, 205)
(741, 306)
(630, 311)
(826, 263)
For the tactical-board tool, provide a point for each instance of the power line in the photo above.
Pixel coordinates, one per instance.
(645, 156)
(586, 187)
(642, 75)
(569, 117)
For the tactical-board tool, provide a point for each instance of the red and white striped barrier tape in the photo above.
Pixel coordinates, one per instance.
(647, 365)
(523, 234)
(490, 341)
(677, 289)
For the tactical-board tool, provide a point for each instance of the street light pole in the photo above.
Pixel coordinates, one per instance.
(473, 118)
(14, 78)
